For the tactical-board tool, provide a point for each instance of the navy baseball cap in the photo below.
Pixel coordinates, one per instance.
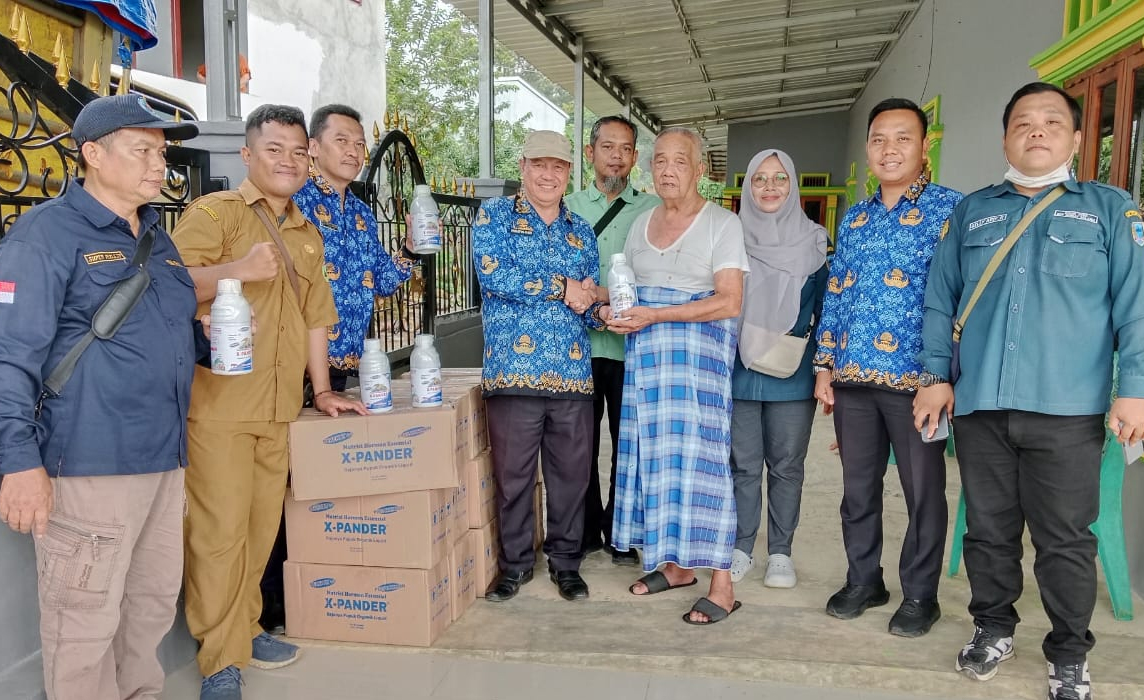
(104, 115)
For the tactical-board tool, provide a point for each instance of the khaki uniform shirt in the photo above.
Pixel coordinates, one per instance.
(221, 228)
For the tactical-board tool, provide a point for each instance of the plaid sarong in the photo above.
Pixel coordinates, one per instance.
(674, 494)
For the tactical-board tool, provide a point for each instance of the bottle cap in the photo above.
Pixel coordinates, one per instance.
(419, 190)
(228, 286)
(619, 259)
(373, 344)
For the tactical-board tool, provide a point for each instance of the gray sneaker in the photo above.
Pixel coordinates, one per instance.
(980, 658)
(269, 652)
(780, 572)
(1069, 682)
(741, 563)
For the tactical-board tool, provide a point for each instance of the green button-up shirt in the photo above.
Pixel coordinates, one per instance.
(592, 204)
(1042, 334)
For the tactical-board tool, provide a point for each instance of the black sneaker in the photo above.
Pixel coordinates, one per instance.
(1069, 682)
(915, 617)
(980, 657)
(851, 601)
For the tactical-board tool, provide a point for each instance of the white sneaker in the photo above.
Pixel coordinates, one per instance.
(780, 572)
(741, 563)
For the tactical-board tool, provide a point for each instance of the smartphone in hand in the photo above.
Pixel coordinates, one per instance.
(942, 431)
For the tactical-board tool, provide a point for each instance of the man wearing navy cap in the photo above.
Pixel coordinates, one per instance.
(96, 472)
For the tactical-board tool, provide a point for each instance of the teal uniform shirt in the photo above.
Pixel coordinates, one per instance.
(592, 204)
(1042, 334)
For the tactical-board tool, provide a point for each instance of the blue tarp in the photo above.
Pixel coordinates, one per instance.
(136, 19)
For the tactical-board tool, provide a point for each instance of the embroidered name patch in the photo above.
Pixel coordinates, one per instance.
(996, 218)
(1078, 215)
(7, 292)
(103, 257)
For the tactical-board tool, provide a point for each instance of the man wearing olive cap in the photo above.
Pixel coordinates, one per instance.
(538, 267)
(96, 472)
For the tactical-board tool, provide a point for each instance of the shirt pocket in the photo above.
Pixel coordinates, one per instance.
(978, 249)
(78, 560)
(1069, 250)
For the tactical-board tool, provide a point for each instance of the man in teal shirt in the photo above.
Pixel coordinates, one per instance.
(612, 201)
(1036, 373)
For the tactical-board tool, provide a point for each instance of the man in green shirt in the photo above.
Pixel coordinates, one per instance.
(612, 201)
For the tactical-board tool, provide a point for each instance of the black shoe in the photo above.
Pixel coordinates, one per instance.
(1069, 681)
(914, 617)
(273, 618)
(570, 584)
(507, 585)
(851, 601)
(628, 558)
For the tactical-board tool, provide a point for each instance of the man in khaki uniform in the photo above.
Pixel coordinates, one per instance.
(237, 426)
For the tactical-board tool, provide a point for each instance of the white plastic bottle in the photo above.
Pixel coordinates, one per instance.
(426, 226)
(425, 372)
(621, 286)
(373, 371)
(232, 343)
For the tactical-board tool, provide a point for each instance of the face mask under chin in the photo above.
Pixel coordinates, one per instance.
(1058, 175)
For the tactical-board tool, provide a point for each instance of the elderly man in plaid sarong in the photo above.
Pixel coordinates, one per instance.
(674, 492)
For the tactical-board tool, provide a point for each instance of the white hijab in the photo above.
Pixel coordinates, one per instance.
(784, 249)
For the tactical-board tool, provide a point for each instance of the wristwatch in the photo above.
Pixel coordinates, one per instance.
(929, 379)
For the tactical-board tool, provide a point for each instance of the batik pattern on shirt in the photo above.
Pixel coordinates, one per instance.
(535, 345)
(357, 266)
(675, 498)
(871, 326)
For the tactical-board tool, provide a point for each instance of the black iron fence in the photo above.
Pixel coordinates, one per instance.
(443, 283)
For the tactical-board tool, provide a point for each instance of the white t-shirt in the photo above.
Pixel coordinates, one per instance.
(713, 242)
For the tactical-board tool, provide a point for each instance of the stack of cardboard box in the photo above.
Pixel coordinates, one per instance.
(390, 519)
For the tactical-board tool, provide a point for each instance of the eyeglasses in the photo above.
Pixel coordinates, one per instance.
(778, 180)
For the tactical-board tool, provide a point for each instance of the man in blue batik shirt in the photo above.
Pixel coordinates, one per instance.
(357, 264)
(866, 371)
(538, 267)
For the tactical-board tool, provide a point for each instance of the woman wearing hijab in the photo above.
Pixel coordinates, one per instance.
(773, 381)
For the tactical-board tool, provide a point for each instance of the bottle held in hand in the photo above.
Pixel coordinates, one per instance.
(232, 342)
(621, 286)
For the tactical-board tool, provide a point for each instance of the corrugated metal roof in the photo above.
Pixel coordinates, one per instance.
(704, 63)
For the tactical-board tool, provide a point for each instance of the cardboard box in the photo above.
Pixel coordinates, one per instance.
(459, 513)
(410, 449)
(409, 530)
(485, 545)
(481, 489)
(368, 604)
(463, 567)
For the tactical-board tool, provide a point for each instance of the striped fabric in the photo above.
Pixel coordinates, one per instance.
(674, 494)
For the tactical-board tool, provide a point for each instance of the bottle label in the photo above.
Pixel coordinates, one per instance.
(375, 392)
(426, 232)
(426, 386)
(232, 349)
(622, 297)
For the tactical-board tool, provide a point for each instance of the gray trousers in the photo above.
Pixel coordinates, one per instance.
(774, 434)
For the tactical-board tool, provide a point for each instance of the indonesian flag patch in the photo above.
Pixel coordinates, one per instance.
(7, 292)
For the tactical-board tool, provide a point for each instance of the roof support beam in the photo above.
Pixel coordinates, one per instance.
(767, 114)
(764, 97)
(688, 88)
(735, 54)
(485, 89)
(578, 117)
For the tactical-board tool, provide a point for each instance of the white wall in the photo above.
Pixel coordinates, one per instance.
(309, 53)
(816, 144)
(981, 51)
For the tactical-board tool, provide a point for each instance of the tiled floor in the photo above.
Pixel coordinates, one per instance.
(359, 673)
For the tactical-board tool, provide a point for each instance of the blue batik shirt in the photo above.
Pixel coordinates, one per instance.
(357, 266)
(535, 345)
(871, 327)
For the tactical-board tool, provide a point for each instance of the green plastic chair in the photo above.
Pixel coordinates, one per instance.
(1108, 528)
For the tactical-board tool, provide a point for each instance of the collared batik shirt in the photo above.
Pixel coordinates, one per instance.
(535, 345)
(357, 266)
(871, 326)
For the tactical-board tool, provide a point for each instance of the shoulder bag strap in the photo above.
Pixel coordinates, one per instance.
(111, 313)
(286, 259)
(609, 215)
(995, 261)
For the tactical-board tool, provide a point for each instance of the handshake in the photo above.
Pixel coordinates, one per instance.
(578, 296)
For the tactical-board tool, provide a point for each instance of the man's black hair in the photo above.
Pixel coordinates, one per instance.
(614, 119)
(1036, 88)
(894, 103)
(282, 114)
(321, 117)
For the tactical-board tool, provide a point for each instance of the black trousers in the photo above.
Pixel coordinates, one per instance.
(868, 422)
(1016, 468)
(608, 377)
(522, 428)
